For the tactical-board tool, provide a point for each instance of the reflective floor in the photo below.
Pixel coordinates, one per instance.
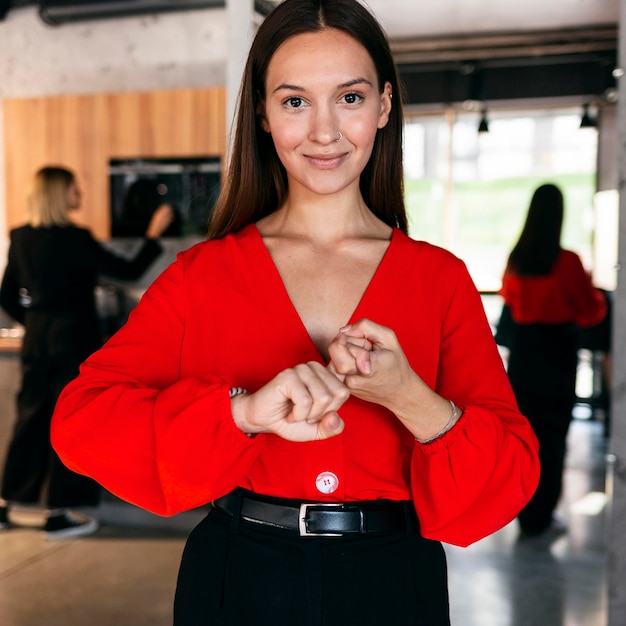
(125, 574)
(546, 581)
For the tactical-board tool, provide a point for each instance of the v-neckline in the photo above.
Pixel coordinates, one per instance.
(277, 279)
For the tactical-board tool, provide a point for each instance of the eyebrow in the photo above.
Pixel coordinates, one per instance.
(350, 83)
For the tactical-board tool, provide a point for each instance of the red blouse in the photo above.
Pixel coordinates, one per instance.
(564, 295)
(149, 416)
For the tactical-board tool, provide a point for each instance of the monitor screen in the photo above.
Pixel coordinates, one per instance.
(138, 186)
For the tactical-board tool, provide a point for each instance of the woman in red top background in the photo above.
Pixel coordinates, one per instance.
(549, 295)
(329, 384)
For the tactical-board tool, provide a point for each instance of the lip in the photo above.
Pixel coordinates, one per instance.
(326, 161)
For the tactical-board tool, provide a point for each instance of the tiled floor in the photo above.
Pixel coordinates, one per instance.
(125, 574)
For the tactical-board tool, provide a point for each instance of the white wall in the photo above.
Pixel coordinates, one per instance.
(165, 51)
(169, 50)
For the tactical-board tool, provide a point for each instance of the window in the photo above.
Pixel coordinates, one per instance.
(469, 191)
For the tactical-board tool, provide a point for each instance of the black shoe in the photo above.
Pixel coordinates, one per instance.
(64, 526)
(554, 529)
(4, 518)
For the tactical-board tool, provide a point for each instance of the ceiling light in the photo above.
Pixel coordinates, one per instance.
(586, 121)
(483, 126)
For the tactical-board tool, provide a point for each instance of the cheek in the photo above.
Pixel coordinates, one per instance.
(287, 137)
(363, 132)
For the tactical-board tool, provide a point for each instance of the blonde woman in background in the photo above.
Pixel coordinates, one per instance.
(48, 287)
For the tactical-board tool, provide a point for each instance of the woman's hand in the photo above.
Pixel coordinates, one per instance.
(299, 404)
(162, 217)
(369, 360)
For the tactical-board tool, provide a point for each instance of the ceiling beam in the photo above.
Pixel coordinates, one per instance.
(505, 45)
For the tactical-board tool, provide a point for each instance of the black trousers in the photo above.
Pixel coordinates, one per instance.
(51, 355)
(550, 418)
(234, 573)
(542, 370)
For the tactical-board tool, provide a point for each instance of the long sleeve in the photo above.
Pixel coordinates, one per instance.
(106, 262)
(9, 290)
(588, 304)
(476, 478)
(162, 440)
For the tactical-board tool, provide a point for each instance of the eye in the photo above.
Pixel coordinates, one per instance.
(352, 98)
(294, 102)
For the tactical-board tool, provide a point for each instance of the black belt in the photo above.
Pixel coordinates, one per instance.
(312, 519)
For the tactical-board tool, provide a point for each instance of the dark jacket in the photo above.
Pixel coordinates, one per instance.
(52, 272)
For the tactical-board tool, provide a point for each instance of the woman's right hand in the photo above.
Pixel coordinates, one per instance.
(162, 217)
(299, 404)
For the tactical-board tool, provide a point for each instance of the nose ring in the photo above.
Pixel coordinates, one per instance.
(339, 136)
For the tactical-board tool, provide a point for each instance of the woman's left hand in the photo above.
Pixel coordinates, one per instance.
(369, 360)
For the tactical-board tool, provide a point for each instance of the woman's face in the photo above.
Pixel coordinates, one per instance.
(72, 196)
(319, 85)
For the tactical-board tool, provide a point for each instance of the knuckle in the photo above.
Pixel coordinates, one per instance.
(343, 368)
(325, 398)
(343, 394)
(305, 401)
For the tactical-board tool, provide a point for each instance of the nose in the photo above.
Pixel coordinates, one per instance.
(323, 125)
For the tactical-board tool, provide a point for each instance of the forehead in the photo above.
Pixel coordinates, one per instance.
(330, 55)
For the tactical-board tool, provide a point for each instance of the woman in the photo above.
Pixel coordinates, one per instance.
(323, 377)
(549, 295)
(48, 286)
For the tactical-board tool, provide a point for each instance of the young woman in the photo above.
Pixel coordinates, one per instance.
(549, 295)
(48, 286)
(331, 385)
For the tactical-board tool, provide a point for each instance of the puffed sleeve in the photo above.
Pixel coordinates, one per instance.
(474, 479)
(588, 304)
(123, 421)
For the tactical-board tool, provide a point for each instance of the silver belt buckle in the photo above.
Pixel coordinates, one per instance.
(302, 516)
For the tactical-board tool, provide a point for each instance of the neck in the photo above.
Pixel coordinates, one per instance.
(324, 219)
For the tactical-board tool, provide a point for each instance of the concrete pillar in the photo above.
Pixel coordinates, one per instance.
(608, 145)
(616, 475)
(240, 18)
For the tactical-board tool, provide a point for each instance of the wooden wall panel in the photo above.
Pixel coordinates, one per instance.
(82, 132)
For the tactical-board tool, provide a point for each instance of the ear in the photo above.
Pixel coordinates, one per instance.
(385, 105)
(260, 111)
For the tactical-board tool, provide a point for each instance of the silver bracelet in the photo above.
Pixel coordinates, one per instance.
(240, 391)
(446, 428)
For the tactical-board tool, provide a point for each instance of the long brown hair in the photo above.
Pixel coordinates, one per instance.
(539, 244)
(256, 181)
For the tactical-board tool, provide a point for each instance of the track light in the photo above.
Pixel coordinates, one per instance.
(483, 126)
(587, 121)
